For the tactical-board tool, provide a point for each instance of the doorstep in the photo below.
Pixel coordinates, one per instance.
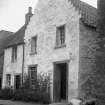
(60, 103)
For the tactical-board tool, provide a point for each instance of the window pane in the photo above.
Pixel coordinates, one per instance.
(34, 44)
(60, 35)
(14, 54)
(33, 75)
(8, 79)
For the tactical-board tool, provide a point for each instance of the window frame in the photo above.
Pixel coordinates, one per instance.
(33, 45)
(60, 36)
(30, 72)
(14, 54)
(8, 80)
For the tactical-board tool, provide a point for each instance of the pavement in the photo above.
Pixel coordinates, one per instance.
(9, 102)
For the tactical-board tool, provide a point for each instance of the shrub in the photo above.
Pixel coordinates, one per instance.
(41, 84)
(32, 96)
(38, 93)
(20, 95)
(6, 93)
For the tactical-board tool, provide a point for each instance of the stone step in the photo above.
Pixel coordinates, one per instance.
(60, 103)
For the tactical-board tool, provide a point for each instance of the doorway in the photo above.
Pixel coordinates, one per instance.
(17, 81)
(60, 82)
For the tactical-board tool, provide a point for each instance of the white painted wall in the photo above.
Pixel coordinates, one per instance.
(12, 68)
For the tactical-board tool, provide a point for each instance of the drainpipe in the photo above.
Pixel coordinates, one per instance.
(23, 67)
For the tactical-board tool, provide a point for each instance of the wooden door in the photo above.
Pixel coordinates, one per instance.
(57, 83)
(17, 81)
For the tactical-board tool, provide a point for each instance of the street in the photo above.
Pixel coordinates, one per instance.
(8, 102)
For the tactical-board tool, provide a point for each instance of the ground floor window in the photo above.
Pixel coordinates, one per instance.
(33, 75)
(8, 80)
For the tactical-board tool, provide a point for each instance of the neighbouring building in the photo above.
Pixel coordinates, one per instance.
(14, 57)
(61, 40)
(3, 39)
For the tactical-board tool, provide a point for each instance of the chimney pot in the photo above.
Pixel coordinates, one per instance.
(30, 9)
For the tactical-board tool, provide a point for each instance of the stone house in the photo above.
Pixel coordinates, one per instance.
(60, 40)
(14, 57)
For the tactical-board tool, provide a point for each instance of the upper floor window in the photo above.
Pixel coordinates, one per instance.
(34, 45)
(14, 54)
(8, 80)
(60, 36)
(32, 75)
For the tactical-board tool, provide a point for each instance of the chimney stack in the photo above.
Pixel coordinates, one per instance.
(101, 18)
(28, 15)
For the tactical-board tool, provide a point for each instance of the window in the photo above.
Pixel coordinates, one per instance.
(34, 45)
(8, 80)
(33, 75)
(60, 36)
(14, 54)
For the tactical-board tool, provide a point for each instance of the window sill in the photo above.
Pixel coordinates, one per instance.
(60, 46)
(33, 53)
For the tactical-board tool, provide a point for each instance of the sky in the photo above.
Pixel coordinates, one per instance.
(12, 12)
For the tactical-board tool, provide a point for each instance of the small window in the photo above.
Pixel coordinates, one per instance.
(60, 36)
(33, 75)
(14, 54)
(34, 45)
(8, 80)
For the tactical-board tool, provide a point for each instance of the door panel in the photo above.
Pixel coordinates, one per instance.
(60, 82)
(17, 81)
(57, 83)
(63, 82)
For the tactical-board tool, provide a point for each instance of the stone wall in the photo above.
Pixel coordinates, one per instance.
(91, 66)
(48, 15)
(92, 58)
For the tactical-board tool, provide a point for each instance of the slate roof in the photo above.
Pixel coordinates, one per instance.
(4, 34)
(3, 39)
(88, 12)
(17, 38)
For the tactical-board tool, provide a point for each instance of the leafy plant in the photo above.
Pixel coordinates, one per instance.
(40, 92)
